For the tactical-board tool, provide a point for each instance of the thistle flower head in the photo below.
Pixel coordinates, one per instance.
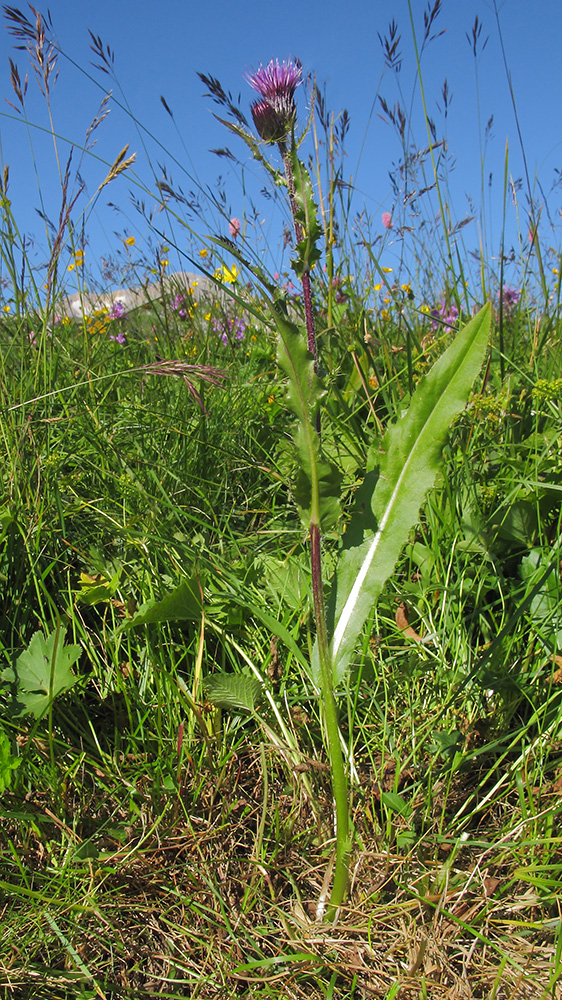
(276, 79)
(272, 124)
(274, 115)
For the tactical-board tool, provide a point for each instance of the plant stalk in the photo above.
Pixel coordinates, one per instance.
(299, 235)
(337, 766)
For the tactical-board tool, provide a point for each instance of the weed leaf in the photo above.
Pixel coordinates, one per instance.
(8, 762)
(234, 692)
(42, 672)
(409, 458)
(317, 486)
(181, 604)
(307, 250)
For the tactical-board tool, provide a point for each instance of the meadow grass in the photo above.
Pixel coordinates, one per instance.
(154, 843)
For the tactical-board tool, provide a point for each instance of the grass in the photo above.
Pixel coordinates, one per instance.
(157, 843)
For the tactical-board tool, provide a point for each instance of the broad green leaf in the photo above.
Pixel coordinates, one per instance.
(317, 487)
(409, 458)
(234, 692)
(182, 604)
(42, 672)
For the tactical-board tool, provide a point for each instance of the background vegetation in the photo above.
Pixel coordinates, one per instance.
(159, 839)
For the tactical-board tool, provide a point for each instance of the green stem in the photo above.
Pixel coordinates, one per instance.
(337, 767)
(305, 279)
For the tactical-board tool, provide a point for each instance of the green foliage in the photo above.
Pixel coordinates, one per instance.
(233, 692)
(184, 603)
(318, 482)
(546, 605)
(307, 251)
(8, 763)
(42, 672)
(408, 460)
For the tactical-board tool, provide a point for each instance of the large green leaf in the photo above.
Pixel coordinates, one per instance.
(181, 604)
(42, 672)
(317, 486)
(409, 458)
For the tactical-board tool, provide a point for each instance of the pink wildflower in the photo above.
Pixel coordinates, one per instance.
(387, 220)
(234, 227)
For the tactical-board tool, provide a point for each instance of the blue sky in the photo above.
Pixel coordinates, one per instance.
(159, 48)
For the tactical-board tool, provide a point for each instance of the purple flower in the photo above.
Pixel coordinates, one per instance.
(274, 115)
(118, 337)
(510, 298)
(230, 329)
(117, 310)
(276, 79)
(444, 315)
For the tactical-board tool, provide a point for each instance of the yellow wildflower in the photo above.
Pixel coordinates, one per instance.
(204, 252)
(6, 308)
(377, 288)
(385, 314)
(387, 270)
(229, 274)
(425, 309)
(130, 241)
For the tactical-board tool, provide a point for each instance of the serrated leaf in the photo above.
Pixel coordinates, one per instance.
(182, 604)
(306, 214)
(318, 483)
(409, 455)
(42, 672)
(234, 692)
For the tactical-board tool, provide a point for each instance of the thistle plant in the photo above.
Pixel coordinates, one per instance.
(401, 467)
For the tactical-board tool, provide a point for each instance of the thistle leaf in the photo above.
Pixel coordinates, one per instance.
(307, 250)
(253, 146)
(388, 504)
(317, 486)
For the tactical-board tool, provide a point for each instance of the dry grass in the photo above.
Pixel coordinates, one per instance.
(196, 900)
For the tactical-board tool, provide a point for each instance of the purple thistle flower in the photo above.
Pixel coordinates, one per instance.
(274, 115)
(276, 79)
